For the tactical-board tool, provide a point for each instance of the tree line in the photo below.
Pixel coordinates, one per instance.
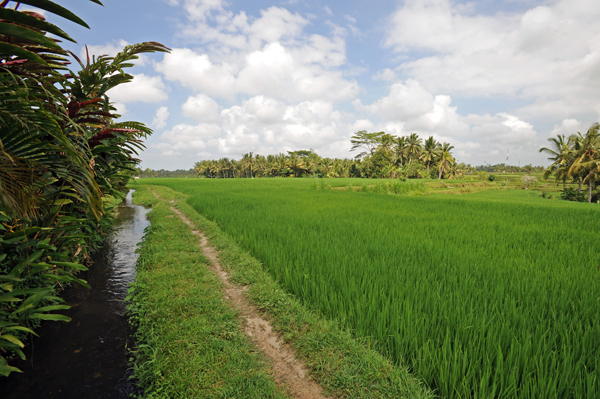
(381, 155)
(63, 154)
(575, 158)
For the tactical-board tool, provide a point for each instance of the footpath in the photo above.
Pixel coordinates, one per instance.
(212, 323)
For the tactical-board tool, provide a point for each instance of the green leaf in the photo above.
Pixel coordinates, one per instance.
(10, 297)
(56, 9)
(36, 255)
(7, 287)
(67, 278)
(63, 201)
(13, 339)
(5, 277)
(72, 265)
(5, 370)
(53, 317)
(8, 14)
(20, 52)
(52, 307)
(21, 33)
(21, 328)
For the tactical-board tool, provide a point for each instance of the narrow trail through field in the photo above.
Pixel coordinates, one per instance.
(290, 373)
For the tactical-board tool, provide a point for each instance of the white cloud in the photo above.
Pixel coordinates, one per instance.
(121, 108)
(273, 71)
(406, 100)
(545, 53)
(386, 75)
(260, 124)
(160, 119)
(409, 107)
(143, 88)
(201, 108)
(197, 72)
(567, 127)
(270, 55)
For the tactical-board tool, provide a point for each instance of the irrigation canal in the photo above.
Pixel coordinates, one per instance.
(87, 357)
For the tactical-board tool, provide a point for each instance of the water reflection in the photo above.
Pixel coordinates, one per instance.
(87, 357)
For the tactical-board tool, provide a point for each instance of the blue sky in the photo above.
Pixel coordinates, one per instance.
(269, 77)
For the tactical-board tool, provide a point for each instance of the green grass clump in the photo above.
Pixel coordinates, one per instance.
(189, 340)
(491, 294)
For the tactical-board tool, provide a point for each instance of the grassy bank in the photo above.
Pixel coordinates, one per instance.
(192, 345)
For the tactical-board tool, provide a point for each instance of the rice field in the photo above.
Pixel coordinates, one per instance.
(487, 295)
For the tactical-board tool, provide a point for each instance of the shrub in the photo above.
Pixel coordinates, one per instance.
(492, 177)
(571, 194)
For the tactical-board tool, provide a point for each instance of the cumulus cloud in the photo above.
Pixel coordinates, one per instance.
(201, 108)
(143, 88)
(273, 70)
(260, 124)
(567, 127)
(386, 75)
(271, 55)
(546, 52)
(160, 119)
(409, 107)
(121, 108)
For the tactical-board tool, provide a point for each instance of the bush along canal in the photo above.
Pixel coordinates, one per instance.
(88, 356)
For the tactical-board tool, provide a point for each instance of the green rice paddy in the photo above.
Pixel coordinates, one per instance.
(491, 294)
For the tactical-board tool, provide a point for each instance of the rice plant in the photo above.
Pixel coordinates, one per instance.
(493, 294)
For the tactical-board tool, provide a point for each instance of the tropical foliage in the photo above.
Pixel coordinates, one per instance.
(382, 155)
(575, 158)
(62, 153)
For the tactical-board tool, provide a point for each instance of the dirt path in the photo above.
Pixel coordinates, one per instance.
(290, 373)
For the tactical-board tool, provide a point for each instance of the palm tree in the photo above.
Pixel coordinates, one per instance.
(587, 158)
(430, 152)
(386, 141)
(401, 150)
(413, 146)
(561, 154)
(446, 160)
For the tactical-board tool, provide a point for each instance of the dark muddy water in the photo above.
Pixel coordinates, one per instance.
(87, 357)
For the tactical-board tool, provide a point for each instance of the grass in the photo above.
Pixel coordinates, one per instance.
(344, 366)
(190, 343)
(491, 294)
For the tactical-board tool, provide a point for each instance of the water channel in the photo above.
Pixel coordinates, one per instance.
(87, 357)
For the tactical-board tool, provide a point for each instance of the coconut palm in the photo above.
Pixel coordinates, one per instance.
(430, 152)
(561, 156)
(413, 147)
(587, 158)
(401, 151)
(445, 160)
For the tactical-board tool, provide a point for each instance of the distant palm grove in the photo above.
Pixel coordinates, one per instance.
(381, 155)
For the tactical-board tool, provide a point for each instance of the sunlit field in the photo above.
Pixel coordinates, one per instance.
(491, 294)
